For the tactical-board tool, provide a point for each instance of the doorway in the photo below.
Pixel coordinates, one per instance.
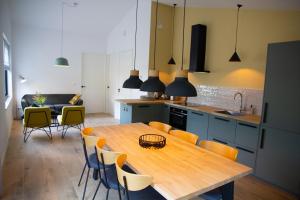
(93, 87)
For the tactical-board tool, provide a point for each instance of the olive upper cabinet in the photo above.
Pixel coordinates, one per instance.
(278, 159)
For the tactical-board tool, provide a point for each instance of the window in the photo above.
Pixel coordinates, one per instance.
(7, 71)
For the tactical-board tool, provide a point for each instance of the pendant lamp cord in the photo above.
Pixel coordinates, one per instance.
(182, 53)
(237, 26)
(173, 29)
(154, 57)
(62, 29)
(135, 34)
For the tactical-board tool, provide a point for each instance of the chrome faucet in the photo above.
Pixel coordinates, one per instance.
(236, 94)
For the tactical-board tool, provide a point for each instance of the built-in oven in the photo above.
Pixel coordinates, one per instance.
(178, 118)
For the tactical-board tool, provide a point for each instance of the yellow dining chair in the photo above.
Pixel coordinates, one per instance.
(72, 116)
(106, 161)
(184, 135)
(160, 126)
(36, 118)
(219, 148)
(89, 142)
(136, 186)
(225, 151)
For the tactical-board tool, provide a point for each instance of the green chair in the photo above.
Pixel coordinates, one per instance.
(36, 118)
(72, 116)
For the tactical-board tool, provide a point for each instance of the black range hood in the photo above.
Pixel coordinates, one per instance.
(198, 48)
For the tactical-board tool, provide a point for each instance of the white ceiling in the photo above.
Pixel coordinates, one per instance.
(251, 4)
(89, 17)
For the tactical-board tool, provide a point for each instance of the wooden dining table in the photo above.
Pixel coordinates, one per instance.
(180, 170)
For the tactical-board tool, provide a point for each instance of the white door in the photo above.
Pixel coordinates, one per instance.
(94, 82)
(120, 65)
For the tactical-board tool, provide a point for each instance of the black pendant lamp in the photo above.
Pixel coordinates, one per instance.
(172, 61)
(134, 81)
(181, 87)
(235, 57)
(153, 84)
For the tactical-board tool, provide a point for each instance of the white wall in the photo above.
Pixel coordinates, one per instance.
(5, 114)
(120, 42)
(35, 51)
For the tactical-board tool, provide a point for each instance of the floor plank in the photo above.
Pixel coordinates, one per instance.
(49, 170)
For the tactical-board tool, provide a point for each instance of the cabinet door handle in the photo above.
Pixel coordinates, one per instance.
(144, 106)
(262, 140)
(222, 119)
(247, 125)
(219, 141)
(265, 112)
(200, 114)
(243, 149)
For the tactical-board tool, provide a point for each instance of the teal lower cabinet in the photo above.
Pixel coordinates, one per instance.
(142, 113)
(278, 158)
(125, 114)
(165, 114)
(221, 129)
(197, 122)
(146, 113)
(246, 141)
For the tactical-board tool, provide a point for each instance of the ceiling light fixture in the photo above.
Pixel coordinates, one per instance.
(134, 82)
(172, 61)
(181, 87)
(235, 57)
(62, 61)
(153, 84)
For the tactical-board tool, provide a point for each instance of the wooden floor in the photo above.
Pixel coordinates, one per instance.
(49, 170)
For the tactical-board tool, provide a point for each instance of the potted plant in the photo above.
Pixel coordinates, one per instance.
(39, 99)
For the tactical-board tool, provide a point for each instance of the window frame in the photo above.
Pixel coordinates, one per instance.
(7, 87)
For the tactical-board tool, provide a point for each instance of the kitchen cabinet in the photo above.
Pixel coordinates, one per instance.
(282, 94)
(246, 141)
(221, 129)
(278, 159)
(197, 122)
(141, 113)
(125, 114)
(278, 155)
(165, 114)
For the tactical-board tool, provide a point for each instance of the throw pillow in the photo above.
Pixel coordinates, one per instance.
(75, 99)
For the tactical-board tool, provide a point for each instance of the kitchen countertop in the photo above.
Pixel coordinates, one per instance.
(145, 101)
(253, 119)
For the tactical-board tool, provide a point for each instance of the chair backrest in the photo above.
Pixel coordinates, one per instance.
(37, 117)
(184, 135)
(73, 115)
(89, 140)
(131, 182)
(104, 156)
(160, 126)
(219, 148)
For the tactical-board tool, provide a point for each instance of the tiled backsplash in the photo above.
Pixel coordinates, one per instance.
(222, 97)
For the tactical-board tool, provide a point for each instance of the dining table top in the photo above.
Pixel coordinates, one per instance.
(180, 170)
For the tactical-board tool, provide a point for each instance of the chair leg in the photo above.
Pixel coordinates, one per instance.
(24, 133)
(107, 193)
(86, 181)
(97, 189)
(82, 174)
(119, 192)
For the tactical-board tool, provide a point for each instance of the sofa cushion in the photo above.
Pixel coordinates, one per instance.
(75, 99)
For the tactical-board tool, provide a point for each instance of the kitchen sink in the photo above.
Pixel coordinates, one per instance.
(229, 112)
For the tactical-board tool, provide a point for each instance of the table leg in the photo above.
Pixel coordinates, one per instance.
(228, 191)
(95, 174)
